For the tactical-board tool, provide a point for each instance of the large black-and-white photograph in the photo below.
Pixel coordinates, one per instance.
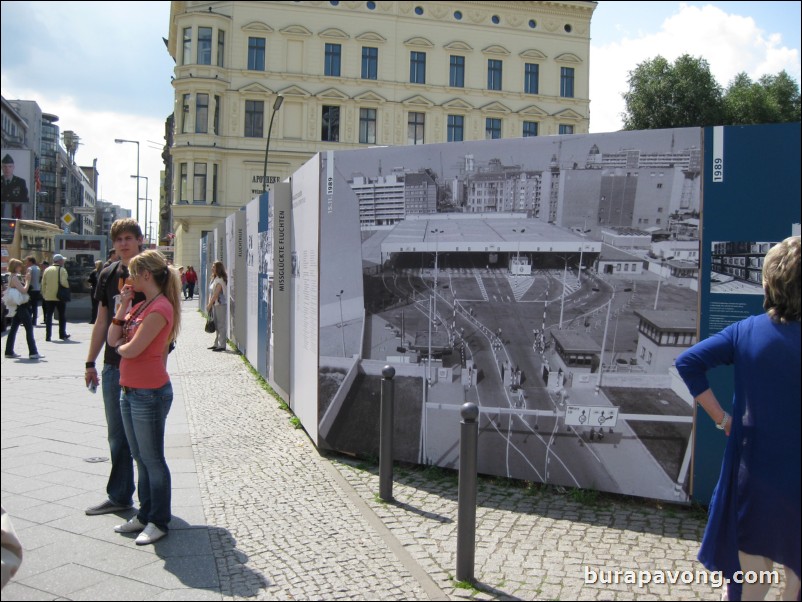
(552, 281)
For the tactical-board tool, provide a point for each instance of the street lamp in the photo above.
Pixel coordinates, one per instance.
(660, 278)
(145, 199)
(518, 252)
(148, 222)
(438, 232)
(342, 325)
(562, 298)
(120, 141)
(276, 107)
(604, 342)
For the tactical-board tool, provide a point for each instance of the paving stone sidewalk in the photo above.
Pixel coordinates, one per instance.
(259, 513)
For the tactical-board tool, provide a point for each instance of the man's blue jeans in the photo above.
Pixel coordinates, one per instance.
(144, 416)
(120, 487)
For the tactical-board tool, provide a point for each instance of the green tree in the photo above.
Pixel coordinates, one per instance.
(665, 95)
(771, 99)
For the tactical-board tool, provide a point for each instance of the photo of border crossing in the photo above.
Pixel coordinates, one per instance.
(551, 281)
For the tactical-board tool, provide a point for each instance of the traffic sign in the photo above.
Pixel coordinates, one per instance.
(67, 218)
(591, 416)
(84, 210)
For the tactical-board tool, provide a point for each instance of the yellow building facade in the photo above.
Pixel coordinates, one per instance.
(357, 74)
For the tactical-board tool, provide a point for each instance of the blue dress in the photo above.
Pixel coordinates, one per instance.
(756, 504)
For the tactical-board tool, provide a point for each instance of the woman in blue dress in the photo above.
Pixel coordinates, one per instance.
(755, 510)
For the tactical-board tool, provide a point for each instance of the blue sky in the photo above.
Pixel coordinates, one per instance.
(103, 69)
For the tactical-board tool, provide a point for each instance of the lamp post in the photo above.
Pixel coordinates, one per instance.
(121, 141)
(660, 279)
(604, 342)
(518, 251)
(342, 325)
(437, 232)
(562, 297)
(276, 107)
(138, 177)
(148, 222)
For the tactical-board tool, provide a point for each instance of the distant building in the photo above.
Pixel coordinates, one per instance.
(107, 214)
(60, 190)
(420, 193)
(576, 351)
(628, 189)
(662, 336)
(381, 199)
(685, 250)
(502, 188)
(627, 238)
(618, 262)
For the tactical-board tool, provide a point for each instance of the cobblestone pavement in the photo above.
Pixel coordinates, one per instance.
(289, 530)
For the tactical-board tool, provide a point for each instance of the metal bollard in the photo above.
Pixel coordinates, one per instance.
(466, 510)
(386, 436)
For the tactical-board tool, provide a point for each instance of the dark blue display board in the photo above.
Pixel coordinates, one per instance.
(751, 200)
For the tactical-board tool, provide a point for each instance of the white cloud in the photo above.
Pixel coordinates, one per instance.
(729, 43)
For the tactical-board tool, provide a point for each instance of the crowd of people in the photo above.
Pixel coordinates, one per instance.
(28, 285)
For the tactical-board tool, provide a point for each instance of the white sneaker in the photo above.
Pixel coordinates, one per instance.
(132, 526)
(151, 534)
(34, 356)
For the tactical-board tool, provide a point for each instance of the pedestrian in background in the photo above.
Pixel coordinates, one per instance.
(217, 305)
(94, 277)
(35, 290)
(54, 277)
(126, 236)
(142, 336)
(111, 257)
(192, 280)
(184, 285)
(23, 314)
(755, 511)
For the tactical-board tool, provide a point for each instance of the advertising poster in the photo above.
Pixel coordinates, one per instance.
(550, 280)
(751, 202)
(16, 183)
